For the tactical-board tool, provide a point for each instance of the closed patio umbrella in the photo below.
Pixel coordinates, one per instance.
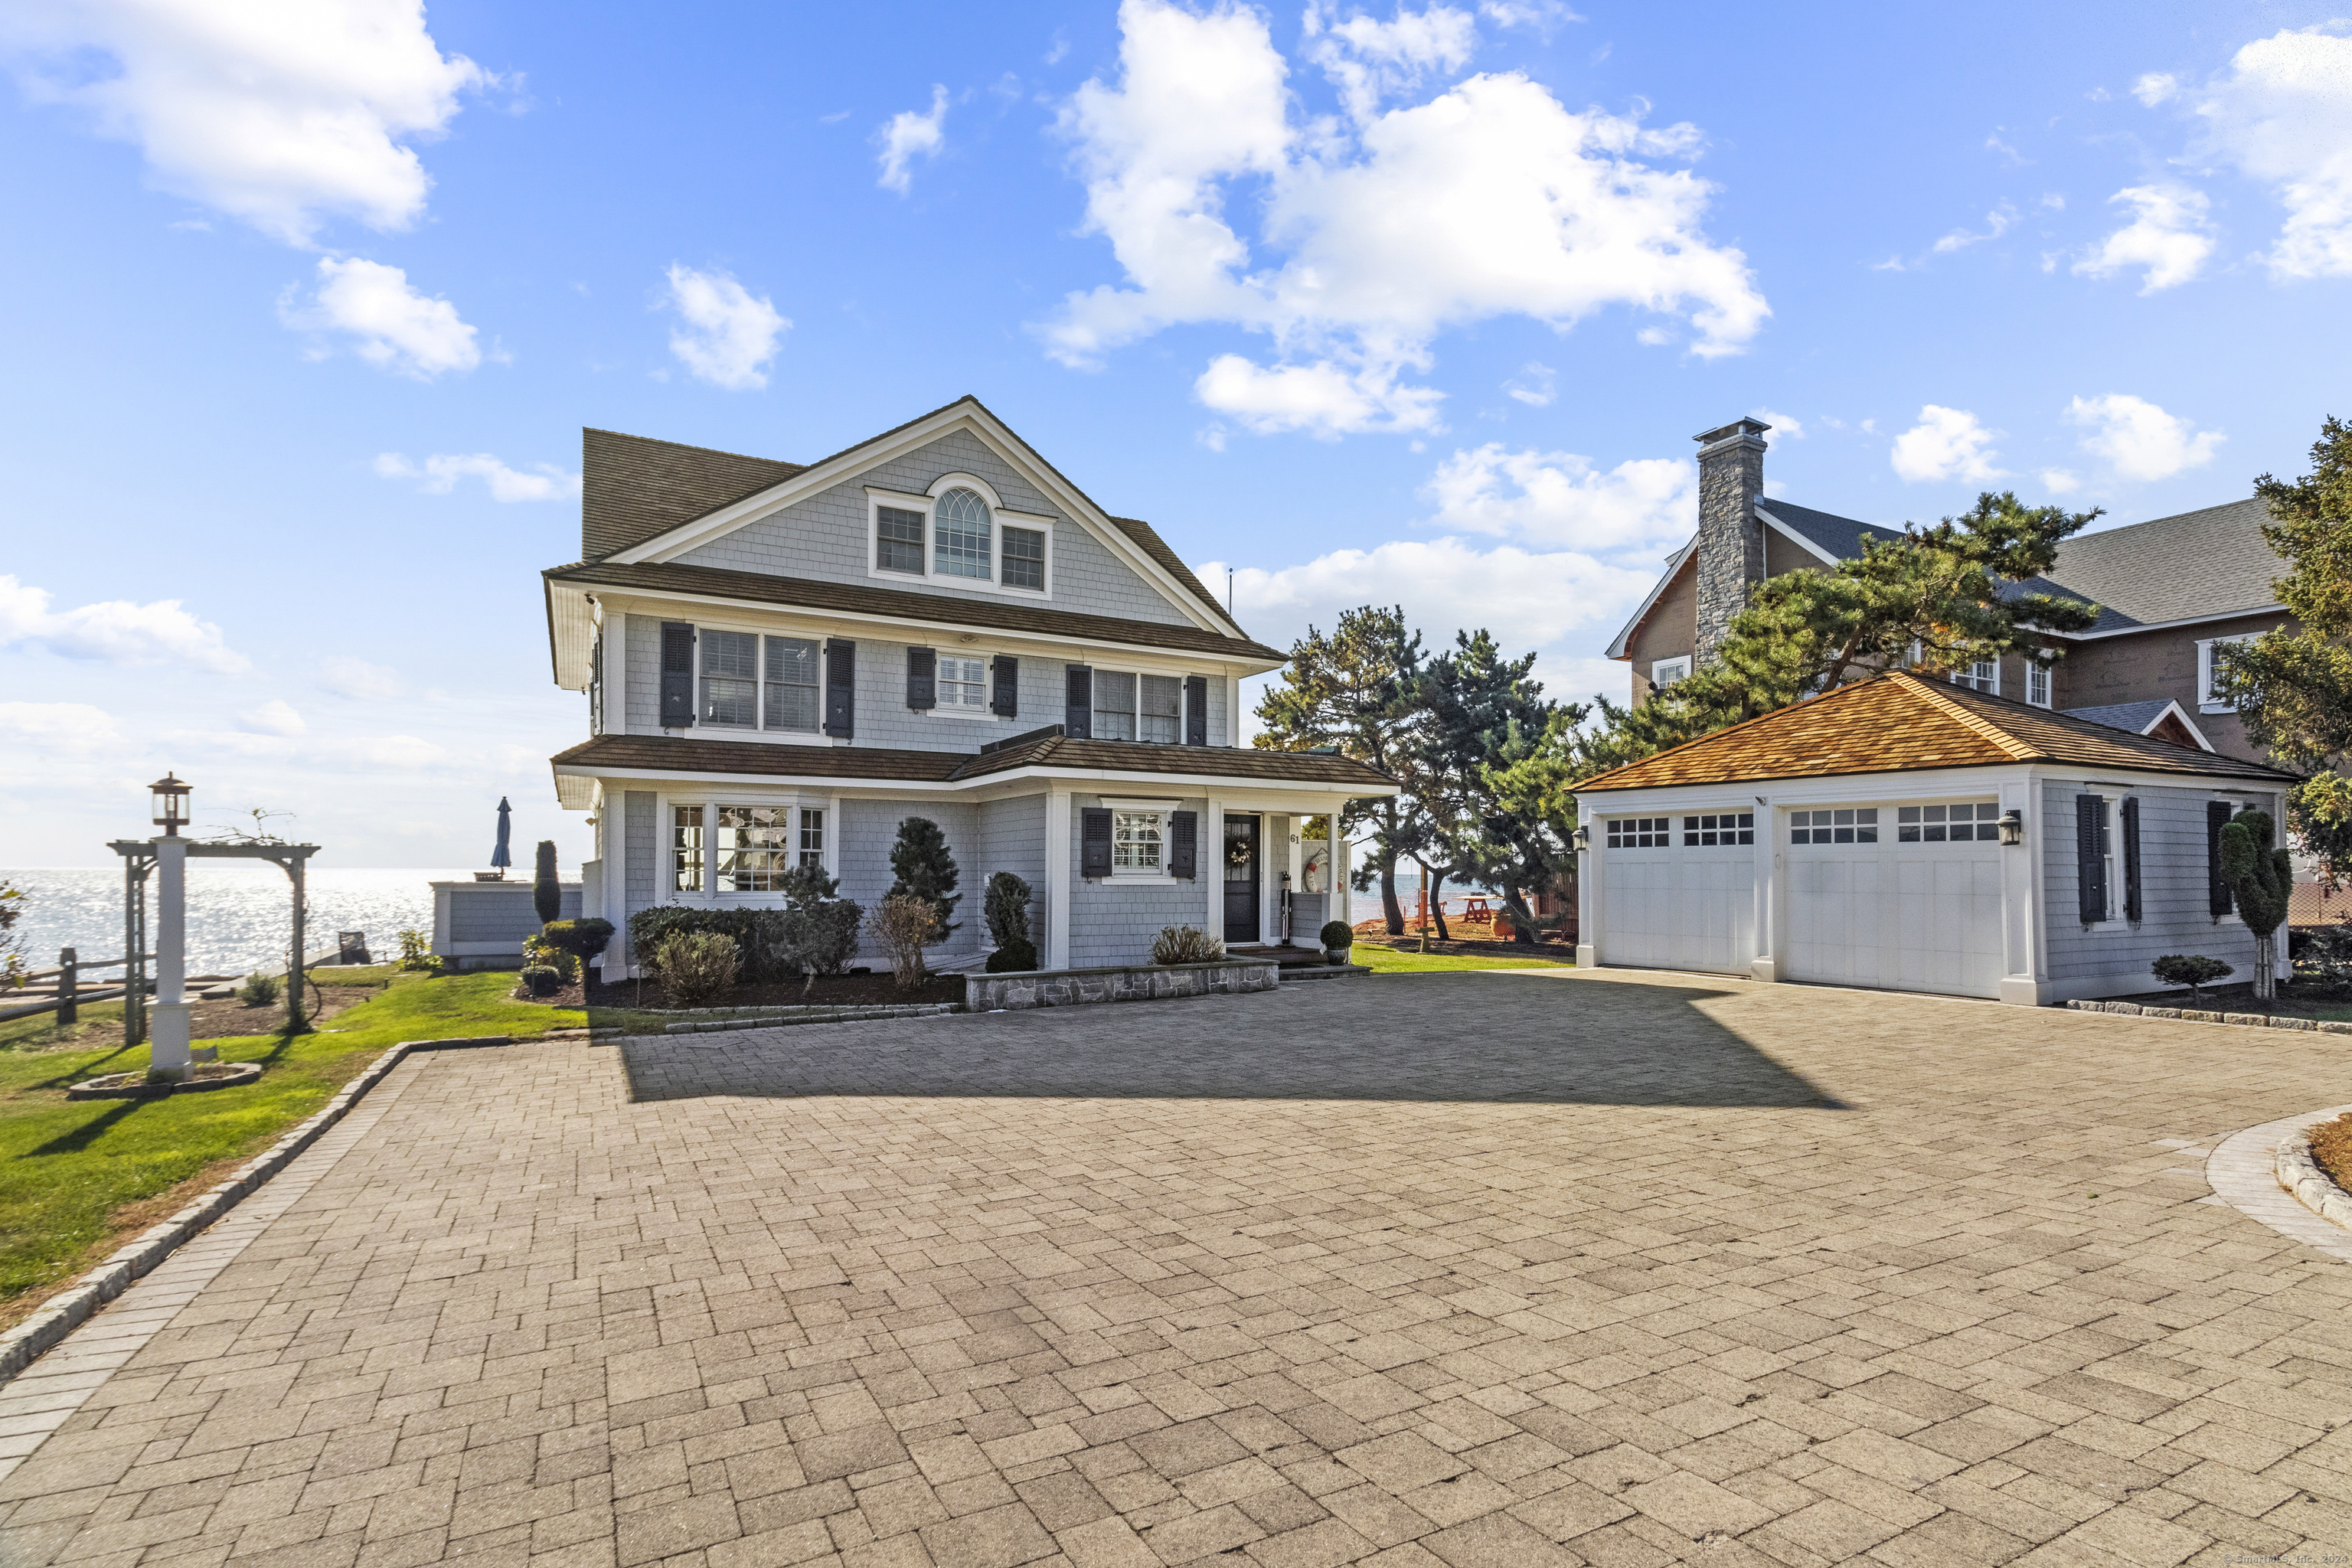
(500, 858)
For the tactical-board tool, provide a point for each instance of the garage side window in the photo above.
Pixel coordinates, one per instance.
(1728, 827)
(1958, 822)
(1851, 825)
(1641, 832)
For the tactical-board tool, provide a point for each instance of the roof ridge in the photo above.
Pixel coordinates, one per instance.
(689, 447)
(1965, 714)
(1729, 730)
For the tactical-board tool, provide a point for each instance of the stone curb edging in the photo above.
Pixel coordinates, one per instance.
(2314, 1188)
(21, 1346)
(2193, 1015)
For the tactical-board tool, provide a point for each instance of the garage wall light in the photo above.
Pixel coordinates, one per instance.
(1583, 836)
(2012, 826)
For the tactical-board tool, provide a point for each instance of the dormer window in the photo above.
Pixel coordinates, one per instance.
(961, 536)
(899, 539)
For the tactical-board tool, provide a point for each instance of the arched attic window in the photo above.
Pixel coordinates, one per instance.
(960, 529)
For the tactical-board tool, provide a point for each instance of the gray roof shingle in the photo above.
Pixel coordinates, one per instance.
(2210, 562)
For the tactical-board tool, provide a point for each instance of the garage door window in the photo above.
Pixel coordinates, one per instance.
(1641, 832)
(1848, 824)
(1955, 822)
(1729, 828)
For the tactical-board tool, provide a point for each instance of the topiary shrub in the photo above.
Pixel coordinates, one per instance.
(583, 939)
(1018, 956)
(2261, 878)
(1186, 944)
(2192, 970)
(542, 979)
(1338, 936)
(925, 870)
(1006, 908)
(546, 892)
(696, 967)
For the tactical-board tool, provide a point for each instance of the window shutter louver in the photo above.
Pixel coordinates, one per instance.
(840, 688)
(2217, 887)
(1094, 843)
(1005, 700)
(677, 675)
(2131, 858)
(2090, 868)
(1196, 711)
(1183, 843)
(1078, 705)
(922, 677)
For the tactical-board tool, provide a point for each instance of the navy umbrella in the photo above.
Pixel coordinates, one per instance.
(500, 858)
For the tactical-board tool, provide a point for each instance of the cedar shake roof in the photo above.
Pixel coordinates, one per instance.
(1900, 722)
(674, 754)
(870, 599)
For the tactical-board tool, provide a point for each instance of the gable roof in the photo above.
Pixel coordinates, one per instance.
(1900, 722)
(2142, 718)
(2191, 565)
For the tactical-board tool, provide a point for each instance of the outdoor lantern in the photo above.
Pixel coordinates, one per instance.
(2012, 826)
(1583, 836)
(171, 803)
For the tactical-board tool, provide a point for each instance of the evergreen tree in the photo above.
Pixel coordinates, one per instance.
(546, 892)
(2294, 689)
(925, 870)
(1358, 691)
(1484, 717)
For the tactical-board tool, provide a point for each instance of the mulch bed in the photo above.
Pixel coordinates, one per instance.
(2331, 1149)
(830, 989)
(227, 1020)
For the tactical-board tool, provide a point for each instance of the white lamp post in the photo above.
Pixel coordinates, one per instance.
(167, 1053)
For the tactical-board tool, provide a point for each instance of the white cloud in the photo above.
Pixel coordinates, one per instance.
(729, 333)
(53, 729)
(2060, 481)
(1947, 443)
(115, 631)
(1536, 386)
(1562, 499)
(275, 717)
(2168, 236)
(2140, 440)
(1369, 61)
(1490, 199)
(2282, 115)
(359, 680)
(1997, 223)
(908, 135)
(392, 326)
(2157, 87)
(280, 113)
(439, 474)
(1785, 426)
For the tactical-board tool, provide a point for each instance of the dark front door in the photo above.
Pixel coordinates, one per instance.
(1241, 879)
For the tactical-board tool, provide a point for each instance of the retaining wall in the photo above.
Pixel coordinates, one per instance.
(1117, 983)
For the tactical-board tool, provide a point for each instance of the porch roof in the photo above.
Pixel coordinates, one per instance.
(1052, 753)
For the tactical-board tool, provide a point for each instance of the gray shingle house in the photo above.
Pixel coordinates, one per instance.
(783, 661)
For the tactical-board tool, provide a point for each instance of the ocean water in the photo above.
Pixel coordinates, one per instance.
(240, 914)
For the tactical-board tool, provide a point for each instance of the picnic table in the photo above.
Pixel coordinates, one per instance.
(1475, 912)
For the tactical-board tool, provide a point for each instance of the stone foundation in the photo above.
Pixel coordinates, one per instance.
(1123, 983)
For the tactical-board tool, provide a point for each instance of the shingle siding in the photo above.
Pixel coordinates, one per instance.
(639, 843)
(1012, 838)
(1114, 921)
(869, 827)
(825, 537)
(2176, 917)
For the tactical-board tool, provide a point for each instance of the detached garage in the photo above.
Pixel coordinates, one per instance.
(1914, 836)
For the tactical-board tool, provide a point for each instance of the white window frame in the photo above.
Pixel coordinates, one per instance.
(1000, 517)
(2041, 677)
(1163, 810)
(2113, 916)
(1183, 699)
(759, 726)
(1987, 684)
(666, 805)
(1664, 672)
(2206, 701)
(987, 709)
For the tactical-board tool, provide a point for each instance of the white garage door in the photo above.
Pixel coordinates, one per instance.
(1680, 892)
(1907, 898)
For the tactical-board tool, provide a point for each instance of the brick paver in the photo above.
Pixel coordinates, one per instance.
(1455, 1270)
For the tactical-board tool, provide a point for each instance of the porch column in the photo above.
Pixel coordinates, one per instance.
(2023, 973)
(1765, 965)
(1059, 851)
(167, 1049)
(1211, 866)
(1588, 892)
(1294, 843)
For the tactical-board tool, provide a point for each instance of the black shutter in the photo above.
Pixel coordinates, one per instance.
(1196, 712)
(2090, 868)
(1005, 700)
(840, 688)
(922, 677)
(2217, 887)
(1094, 843)
(677, 675)
(2131, 858)
(1078, 705)
(1183, 844)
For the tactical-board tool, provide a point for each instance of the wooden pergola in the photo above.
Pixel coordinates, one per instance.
(139, 860)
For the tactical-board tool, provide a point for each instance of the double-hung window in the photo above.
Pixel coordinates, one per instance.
(686, 848)
(963, 684)
(1022, 562)
(1138, 843)
(2209, 673)
(1983, 675)
(719, 846)
(899, 539)
(730, 678)
(744, 686)
(794, 684)
(2037, 685)
(1114, 705)
(1128, 706)
(957, 535)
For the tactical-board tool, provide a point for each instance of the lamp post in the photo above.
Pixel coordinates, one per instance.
(167, 1051)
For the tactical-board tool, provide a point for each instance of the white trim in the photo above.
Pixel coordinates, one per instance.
(1188, 785)
(2206, 701)
(1616, 648)
(1680, 664)
(1124, 803)
(1793, 537)
(2049, 675)
(2166, 625)
(930, 575)
(1061, 850)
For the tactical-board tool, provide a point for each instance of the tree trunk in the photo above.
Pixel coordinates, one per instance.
(2266, 968)
(1523, 924)
(1391, 911)
(1435, 882)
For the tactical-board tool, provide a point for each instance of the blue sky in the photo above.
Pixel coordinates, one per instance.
(309, 303)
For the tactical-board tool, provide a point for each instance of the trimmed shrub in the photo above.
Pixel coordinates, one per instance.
(900, 925)
(817, 937)
(1016, 957)
(583, 939)
(2192, 970)
(925, 870)
(696, 967)
(1338, 936)
(546, 892)
(542, 979)
(1186, 944)
(259, 990)
(1005, 908)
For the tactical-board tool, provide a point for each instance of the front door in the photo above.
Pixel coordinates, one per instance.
(1241, 879)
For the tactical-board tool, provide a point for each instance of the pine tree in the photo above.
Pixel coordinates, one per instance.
(925, 870)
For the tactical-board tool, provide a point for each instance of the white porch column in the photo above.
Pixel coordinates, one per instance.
(1211, 866)
(1059, 851)
(1294, 837)
(167, 1047)
(1588, 893)
(1765, 965)
(2022, 971)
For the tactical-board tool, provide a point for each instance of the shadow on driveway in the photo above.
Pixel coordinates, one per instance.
(1469, 1038)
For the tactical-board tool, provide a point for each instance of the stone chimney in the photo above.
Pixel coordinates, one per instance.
(1730, 540)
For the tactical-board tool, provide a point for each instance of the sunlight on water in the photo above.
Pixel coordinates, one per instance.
(239, 916)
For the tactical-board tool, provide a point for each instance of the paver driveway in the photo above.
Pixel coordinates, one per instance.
(1462, 1268)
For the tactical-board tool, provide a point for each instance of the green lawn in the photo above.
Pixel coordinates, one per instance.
(76, 1177)
(1382, 960)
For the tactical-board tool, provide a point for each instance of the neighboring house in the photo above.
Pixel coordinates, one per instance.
(1904, 833)
(2167, 590)
(783, 661)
